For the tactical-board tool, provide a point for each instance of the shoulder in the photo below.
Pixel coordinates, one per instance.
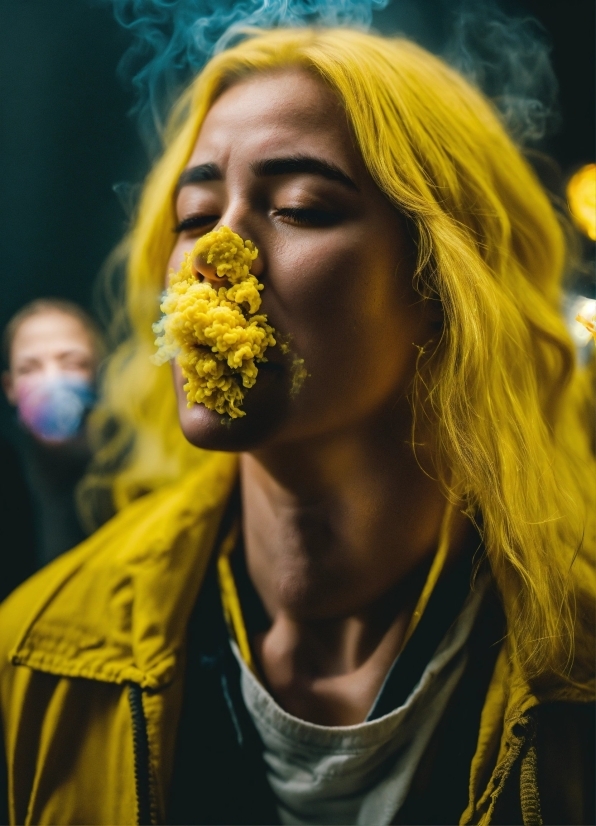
(21, 607)
(133, 573)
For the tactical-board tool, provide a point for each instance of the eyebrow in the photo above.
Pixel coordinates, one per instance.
(199, 174)
(294, 165)
(302, 165)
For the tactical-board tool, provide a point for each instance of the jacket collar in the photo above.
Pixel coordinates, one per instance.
(115, 609)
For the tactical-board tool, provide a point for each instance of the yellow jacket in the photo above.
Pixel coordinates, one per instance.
(91, 670)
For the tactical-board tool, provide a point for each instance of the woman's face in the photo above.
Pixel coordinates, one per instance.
(276, 161)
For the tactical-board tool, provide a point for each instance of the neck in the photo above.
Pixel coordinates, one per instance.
(339, 533)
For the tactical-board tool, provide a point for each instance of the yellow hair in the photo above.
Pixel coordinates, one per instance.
(498, 395)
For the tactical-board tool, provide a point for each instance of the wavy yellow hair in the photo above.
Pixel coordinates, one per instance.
(499, 394)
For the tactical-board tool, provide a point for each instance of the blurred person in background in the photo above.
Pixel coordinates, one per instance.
(52, 350)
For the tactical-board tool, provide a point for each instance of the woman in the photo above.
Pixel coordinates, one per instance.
(368, 600)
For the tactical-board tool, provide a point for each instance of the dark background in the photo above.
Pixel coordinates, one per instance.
(66, 139)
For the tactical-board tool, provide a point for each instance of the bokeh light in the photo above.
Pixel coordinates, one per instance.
(581, 196)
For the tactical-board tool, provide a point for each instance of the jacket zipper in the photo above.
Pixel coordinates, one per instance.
(141, 755)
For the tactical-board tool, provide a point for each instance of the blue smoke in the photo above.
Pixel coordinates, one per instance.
(508, 58)
(173, 39)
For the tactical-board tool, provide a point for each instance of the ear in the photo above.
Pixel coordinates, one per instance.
(8, 387)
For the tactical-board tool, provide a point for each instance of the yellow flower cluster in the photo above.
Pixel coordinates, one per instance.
(216, 335)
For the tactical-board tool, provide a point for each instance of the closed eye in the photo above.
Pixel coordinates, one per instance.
(195, 222)
(308, 217)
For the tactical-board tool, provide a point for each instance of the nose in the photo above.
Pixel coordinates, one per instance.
(51, 370)
(257, 266)
(201, 267)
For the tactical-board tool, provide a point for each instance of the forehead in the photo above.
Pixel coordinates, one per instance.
(287, 111)
(49, 329)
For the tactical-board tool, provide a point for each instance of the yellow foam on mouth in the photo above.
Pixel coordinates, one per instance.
(216, 335)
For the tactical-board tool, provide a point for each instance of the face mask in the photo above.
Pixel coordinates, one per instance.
(53, 409)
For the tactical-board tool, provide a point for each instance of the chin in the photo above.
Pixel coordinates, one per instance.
(266, 407)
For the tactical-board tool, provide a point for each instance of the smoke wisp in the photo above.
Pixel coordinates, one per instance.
(173, 39)
(508, 58)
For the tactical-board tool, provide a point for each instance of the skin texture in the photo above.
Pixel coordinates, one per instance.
(340, 522)
(47, 344)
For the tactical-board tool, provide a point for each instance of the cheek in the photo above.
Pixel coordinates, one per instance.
(22, 384)
(335, 295)
(177, 256)
(352, 314)
(86, 373)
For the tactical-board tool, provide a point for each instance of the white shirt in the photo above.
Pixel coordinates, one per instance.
(356, 774)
